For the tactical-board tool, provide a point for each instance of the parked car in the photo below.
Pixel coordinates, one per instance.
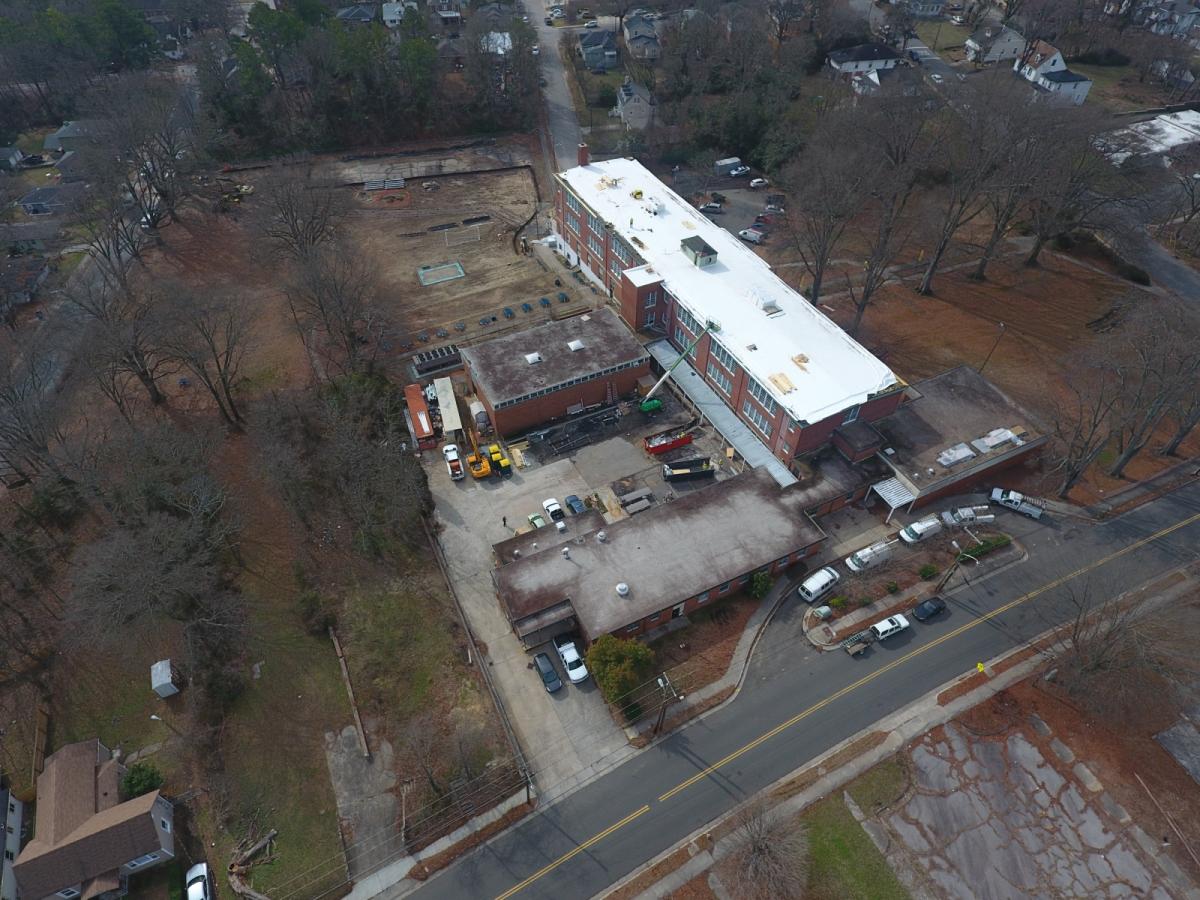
(535, 51)
(571, 660)
(921, 530)
(959, 19)
(591, 24)
(548, 20)
(751, 235)
(574, 504)
(739, 171)
(710, 207)
(453, 463)
(758, 182)
(536, 520)
(553, 510)
(928, 608)
(967, 515)
(818, 584)
(198, 883)
(763, 219)
(936, 78)
(545, 669)
(718, 198)
(889, 626)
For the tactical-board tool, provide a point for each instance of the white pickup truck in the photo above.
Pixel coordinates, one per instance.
(966, 515)
(1017, 502)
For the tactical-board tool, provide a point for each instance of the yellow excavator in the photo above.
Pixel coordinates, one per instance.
(477, 463)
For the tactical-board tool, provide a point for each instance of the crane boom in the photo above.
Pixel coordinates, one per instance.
(649, 404)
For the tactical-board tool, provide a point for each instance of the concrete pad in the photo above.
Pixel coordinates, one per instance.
(368, 808)
(601, 464)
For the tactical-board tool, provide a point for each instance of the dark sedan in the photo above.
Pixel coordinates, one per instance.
(545, 669)
(927, 609)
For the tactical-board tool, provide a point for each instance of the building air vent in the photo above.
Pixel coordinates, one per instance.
(533, 358)
(575, 345)
(623, 589)
(602, 536)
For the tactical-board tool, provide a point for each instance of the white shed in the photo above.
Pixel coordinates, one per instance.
(164, 680)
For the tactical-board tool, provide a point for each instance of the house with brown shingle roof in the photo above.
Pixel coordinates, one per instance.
(86, 842)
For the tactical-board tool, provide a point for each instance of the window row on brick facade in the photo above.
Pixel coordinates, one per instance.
(688, 320)
(574, 203)
(720, 379)
(760, 393)
(573, 223)
(595, 224)
(504, 404)
(596, 245)
(723, 356)
(763, 423)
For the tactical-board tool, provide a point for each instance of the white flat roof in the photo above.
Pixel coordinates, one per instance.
(810, 366)
(1158, 135)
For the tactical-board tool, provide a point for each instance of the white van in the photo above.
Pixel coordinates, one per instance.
(869, 557)
(920, 530)
(818, 584)
(889, 626)
(751, 235)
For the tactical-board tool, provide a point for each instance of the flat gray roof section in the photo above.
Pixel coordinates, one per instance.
(501, 371)
(956, 408)
(724, 419)
(665, 555)
(547, 537)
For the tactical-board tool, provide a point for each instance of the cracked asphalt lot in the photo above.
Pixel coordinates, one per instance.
(996, 818)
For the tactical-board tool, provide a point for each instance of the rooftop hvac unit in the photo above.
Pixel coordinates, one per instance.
(622, 590)
(575, 345)
(533, 358)
(955, 455)
(602, 536)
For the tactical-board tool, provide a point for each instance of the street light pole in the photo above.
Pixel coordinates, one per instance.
(165, 722)
(995, 344)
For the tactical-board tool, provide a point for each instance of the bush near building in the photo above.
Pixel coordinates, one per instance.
(619, 666)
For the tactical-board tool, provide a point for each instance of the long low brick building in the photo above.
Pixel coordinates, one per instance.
(545, 373)
(670, 561)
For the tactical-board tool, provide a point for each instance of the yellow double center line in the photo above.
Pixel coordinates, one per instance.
(837, 695)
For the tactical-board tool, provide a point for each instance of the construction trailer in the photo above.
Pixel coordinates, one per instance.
(420, 423)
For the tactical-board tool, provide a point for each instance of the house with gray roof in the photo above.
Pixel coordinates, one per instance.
(598, 48)
(641, 38)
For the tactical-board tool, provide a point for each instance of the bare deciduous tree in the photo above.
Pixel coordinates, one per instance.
(129, 337)
(210, 336)
(772, 854)
(828, 184)
(1158, 360)
(1083, 424)
(302, 212)
(333, 293)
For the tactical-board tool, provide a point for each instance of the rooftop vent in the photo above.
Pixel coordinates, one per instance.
(533, 358)
(623, 589)
(752, 346)
(602, 536)
(575, 345)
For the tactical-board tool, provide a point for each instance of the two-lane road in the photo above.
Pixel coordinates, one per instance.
(797, 703)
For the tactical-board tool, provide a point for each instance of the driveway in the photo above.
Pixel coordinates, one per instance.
(567, 736)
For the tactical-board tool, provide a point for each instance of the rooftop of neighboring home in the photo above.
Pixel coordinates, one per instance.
(549, 356)
(1064, 76)
(986, 35)
(807, 363)
(1159, 135)
(670, 552)
(863, 53)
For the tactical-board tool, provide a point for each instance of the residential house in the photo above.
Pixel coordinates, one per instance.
(992, 44)
(863, 58)
(903, 80)
(641, 38)
(12, 813)
(86, 842)
(73, 135)
(52, 199)
(449, 12)
(20, 278)
(1043, 65)
(598, 48)
(393, 13)
(1174, 73)
(74, 166)
(10, 157)
(28, 237)
(360, 14)
(635, 106)
(1175, 18)
(494, 15)
(452, 52)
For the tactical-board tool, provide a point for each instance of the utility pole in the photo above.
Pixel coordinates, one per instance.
(996, 344)
(670, 695)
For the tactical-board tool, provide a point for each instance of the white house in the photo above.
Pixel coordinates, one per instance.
(1044, 67)
(992, 44)
(497, 43)
(635, 106)
(393, 13)
(863, 58)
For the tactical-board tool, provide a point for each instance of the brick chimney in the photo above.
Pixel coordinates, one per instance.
(584, 155)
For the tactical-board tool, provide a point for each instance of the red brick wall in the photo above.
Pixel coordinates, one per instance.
(819, 433)
(633, 302)
(514, 419)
